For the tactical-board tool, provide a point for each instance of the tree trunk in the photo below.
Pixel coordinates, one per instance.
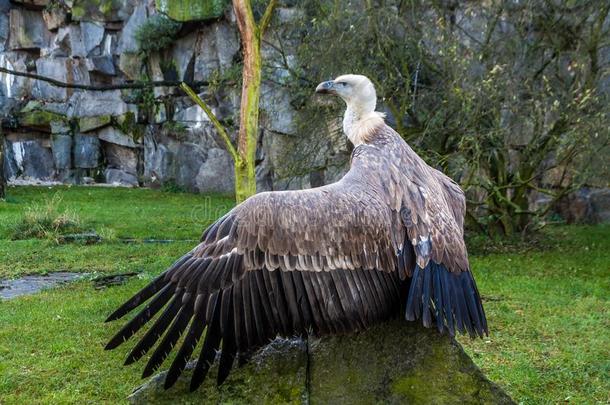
(245, 178)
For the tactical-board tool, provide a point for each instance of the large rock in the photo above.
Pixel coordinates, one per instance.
(600, 200)
(120, 178)
(4, 29)
(121, 158)
(279, 116)
(217, 47)
(128, 43)
(61, 145)
(86, 151)
(158, 162)
(54, 17)
(116, 136)
(394, 363)
(27, 29)
(102, 10)
(216, 174)
(87, 124)
(33, 116)
(69, 42)
(30, 160)
(189, 159)
(94, 103)
(131, 65)
(101, 64)
(14, 87)
(183, 52)
(66, 70)
(587, 205)
(191, 10)
(92, 35)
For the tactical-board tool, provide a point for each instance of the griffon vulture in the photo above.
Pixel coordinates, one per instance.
(386, 239)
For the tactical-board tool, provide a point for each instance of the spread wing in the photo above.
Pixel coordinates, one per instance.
(333, 259)
(432, 209)
(280, 263)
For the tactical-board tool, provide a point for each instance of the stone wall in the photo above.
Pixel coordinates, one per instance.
(81, 136)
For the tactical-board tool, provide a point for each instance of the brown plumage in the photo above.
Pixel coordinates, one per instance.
(384, 239)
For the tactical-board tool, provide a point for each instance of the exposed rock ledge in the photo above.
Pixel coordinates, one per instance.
(395, 362)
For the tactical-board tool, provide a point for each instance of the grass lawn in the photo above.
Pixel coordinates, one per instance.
(547, 302)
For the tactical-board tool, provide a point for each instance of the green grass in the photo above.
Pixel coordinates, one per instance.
(547, 301)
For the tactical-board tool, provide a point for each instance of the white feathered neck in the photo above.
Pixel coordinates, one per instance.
(360, 127)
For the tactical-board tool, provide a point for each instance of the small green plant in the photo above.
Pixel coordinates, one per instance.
(46, 221)
(174, 129)
(170, 186)
(156, 34)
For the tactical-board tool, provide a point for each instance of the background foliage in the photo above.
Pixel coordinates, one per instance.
(506, 97)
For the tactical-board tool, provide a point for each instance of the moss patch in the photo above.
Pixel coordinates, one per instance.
(95, 10)
(87, 124)
(191, 10)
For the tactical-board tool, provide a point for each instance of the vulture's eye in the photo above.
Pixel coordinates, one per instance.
(342, 84)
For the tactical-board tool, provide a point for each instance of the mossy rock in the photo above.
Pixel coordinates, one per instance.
(87, 124)
(394, 362)
(191, 10)
(39, 119)
(275, 375)
(95, 10)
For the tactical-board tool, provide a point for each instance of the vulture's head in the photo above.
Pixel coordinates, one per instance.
(357, 91)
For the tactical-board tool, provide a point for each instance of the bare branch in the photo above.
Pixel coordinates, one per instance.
(133, 85)
(266, 19)
(219, 127)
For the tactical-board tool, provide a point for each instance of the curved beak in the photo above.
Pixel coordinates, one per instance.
(326, 88)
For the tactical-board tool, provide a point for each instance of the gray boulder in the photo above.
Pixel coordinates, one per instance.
(4, 29)
(54, 17)
(69, 42)
(600, 201)
(116, 136)
(183, 52)
(130, 63)
(86, 151)
(121, 157)
(102, 11)
(63, 69)
(158, 163)
(216, 174)
(120, 177)
(92, 34)
(217, 47)
(27, 29)
(128, 43)
(188, 161)
(32, 160)
(61, 146)
(392, 363)
(101, 64)
(94, 103)
(9, 166)
(86, 124)
(279, 116)
(14, 87)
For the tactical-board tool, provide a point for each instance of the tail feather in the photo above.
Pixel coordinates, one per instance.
(453, 297)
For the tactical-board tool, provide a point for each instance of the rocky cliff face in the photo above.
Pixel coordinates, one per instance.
(128, 137)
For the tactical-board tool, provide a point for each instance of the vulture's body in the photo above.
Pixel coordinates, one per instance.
(384, 240)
